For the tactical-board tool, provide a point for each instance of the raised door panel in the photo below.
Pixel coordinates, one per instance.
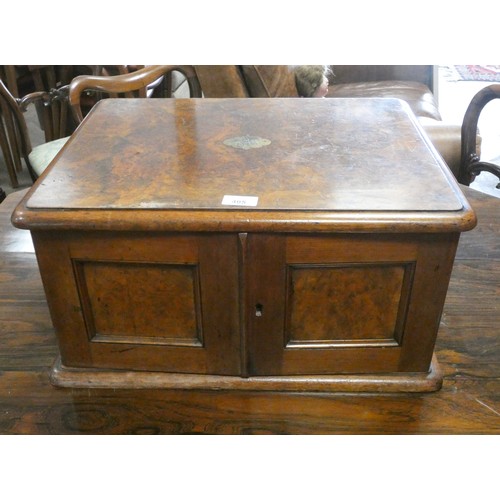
(348, 303)
(344, 304)
(144, 302)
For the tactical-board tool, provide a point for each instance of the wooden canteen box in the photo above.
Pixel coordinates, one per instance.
(256, 244)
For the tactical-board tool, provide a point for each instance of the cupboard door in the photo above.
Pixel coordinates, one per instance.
(344, 303)
(144, 302)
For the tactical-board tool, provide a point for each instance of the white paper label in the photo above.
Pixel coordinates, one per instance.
(240, 201)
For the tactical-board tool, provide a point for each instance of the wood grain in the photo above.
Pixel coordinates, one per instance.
(31, 406)
(467, 347)
(314, 170)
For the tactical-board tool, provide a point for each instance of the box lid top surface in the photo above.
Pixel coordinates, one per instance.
(289, 154)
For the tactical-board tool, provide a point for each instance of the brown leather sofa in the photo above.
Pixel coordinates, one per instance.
(413, 84)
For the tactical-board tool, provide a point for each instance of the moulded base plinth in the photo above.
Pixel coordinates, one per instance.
(62, 376)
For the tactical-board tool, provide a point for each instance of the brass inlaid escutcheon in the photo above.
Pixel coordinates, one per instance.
(247, 142)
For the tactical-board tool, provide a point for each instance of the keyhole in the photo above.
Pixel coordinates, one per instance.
(259, 308)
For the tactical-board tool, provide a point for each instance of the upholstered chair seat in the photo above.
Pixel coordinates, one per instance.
(42, 155)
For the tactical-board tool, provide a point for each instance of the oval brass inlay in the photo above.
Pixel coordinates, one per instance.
(247, 142)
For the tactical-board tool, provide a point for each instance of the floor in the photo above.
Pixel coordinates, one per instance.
(453, 96)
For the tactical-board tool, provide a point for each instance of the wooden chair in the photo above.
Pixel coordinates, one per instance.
(470, 163)
(55, 120)
(151, 81)
(46, 87)
(14, 136)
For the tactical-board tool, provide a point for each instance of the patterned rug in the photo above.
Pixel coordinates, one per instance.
(479, 73)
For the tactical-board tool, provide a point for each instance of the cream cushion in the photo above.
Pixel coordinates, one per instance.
(42, 155)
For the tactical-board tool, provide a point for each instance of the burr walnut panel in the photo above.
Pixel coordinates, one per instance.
(346, 304)
(122, 297)
(314, 154)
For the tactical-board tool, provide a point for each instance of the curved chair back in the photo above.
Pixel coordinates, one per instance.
(151, 81)
(15, 141)
(470, 164)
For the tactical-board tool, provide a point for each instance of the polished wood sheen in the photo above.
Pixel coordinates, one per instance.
(140, 83)
(367, 287)
(134, 301)
(340, 267)
(467, 347)
(339, 164)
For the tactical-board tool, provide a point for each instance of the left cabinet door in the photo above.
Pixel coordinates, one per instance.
(137, 301)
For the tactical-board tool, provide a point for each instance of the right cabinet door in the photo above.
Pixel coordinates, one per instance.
(318, 305)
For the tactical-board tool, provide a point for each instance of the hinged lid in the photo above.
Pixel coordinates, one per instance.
(315, 158)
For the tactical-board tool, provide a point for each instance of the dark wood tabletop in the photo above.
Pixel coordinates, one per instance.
(468, 350)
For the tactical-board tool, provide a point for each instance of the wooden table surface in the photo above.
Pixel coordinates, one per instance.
(468, 350)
